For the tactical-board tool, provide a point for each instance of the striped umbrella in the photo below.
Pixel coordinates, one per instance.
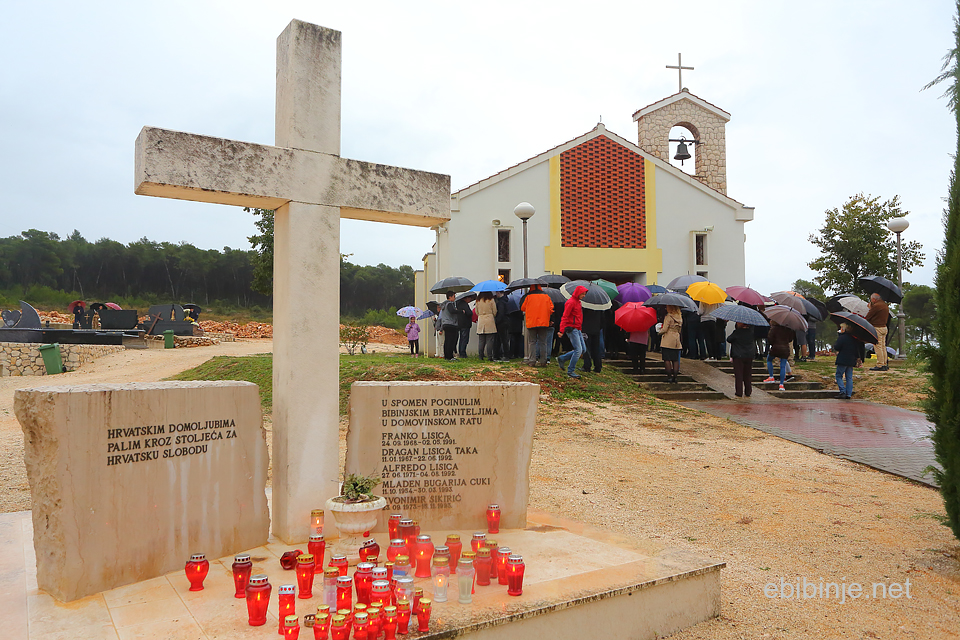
(740, 313)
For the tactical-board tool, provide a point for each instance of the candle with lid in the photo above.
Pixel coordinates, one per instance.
(370, 549)
(380, 593)
(515, 569)
(465, 573)
(330, 575)
(286, 593)
(403, 616)
(501, 564)
(398, 547)
(477, 541)
(402, 567)
(417, 595)
(441, 578)
(305, 572)
(423, 615)
(455, 546)
(242, 566)
(316, 521)
(344, 592)
(393, 526)
(483, 565)
(258, 598)
(493, 518)
(363, 578)
(380, 573)
(390, 620)
(291, 628)
(317, 546)
(424, 556)
(405, 530)
(374, 623)
(340, 562)
(360, 625)
(289, 559)
(405, 588)
(472, 556)
(338, 628)
(196, 569)
(321, 626)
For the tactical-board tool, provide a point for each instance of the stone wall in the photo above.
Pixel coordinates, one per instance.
(17, 359)
(157, 342)
(653, 131)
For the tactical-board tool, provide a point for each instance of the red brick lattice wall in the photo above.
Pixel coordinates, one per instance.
(602, 196)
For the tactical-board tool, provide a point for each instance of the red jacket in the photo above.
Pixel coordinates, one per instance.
(573, 311)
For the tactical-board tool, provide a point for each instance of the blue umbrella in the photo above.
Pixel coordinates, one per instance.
(655, 288)
(426, 314)
(488, 285)
(740, 313)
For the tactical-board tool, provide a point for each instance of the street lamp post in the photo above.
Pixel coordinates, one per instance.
(524, 211)
(898, 226)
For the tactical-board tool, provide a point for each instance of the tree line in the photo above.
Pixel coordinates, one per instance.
(165, 272)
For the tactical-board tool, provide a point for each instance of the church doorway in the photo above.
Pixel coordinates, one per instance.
(616, 277)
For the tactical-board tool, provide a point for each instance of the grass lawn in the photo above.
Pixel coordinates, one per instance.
(904, 385)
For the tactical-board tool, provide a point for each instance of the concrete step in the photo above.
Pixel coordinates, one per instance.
(795, 386)
(678, 386)
(658, 377)
(685, 396)
(805, 394)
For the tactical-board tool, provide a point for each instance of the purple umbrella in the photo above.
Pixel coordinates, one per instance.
(633, 292)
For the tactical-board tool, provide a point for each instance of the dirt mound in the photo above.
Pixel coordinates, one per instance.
(248, 330)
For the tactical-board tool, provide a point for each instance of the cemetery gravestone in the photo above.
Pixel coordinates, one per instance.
(311, 187)
(129, 480)
(445, 450)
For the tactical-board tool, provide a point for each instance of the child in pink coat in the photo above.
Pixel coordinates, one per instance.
(413, 337)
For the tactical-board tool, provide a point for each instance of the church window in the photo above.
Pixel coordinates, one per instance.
(701, 249)
(503, 245)
(503, 275)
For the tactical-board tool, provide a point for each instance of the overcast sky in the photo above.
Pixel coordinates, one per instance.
(825, 99)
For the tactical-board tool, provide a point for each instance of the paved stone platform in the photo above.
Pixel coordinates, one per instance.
(887, 438)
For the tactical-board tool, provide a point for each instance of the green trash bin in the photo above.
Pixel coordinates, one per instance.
(168, 339)
(51, 358)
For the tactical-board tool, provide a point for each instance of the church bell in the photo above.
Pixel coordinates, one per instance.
(682, 153)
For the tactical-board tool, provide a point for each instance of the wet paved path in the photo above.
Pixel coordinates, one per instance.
(886, 438)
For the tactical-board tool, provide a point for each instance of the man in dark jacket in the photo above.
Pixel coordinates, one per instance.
(464, 323)
(847, 349)
(743, 349)
(502, 344)
(448, 326)
(591, 329)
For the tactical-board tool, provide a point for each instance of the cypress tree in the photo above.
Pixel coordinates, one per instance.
(943, 405)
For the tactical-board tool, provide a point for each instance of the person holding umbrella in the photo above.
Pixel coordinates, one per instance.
(537, 308)
(464, 324)
(486, 324)
(779, 339)
(878, 316)
(570, 324)
(743, 350)
(670, 342)
(413, 336)
(847, 351)
(449, 321)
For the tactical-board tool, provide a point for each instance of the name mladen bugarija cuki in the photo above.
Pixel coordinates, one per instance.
(158, 441)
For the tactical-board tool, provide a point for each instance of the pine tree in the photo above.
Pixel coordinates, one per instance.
(943, 406)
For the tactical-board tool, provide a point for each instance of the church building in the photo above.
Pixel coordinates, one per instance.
(605, 208)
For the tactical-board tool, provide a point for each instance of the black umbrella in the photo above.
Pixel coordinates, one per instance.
(672, 300)
(520, 283)
(833, 302)
(680, 283)
(596, 298)
(556, 295)
(740, 313)
(554, 280)
(822, 308)
(862, 330)
(882, 287)
(453, 283)
(466, 295)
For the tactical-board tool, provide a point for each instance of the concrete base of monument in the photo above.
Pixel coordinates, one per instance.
(578, 583)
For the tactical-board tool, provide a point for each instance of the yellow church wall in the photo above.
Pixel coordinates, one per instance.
(558, 258)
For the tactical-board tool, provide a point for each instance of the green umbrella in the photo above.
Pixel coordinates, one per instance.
(607, 286)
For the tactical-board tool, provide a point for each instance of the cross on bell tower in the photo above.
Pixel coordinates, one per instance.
(679, 69)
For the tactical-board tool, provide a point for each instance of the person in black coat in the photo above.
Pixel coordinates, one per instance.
(691, 331)
(848, 350)
(501, 346)
(743, 350)
(592, 328)
(464, 324)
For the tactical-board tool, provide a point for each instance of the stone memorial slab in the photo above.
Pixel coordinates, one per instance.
(129, 480)
(445, 450)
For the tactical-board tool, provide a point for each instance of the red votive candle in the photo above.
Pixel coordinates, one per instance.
(455, 546)
(374, 623)
(424, 556)
(321, 626)
(417, 595)
(398, 547)
(501, 564)
(344, 592)
(242, 566)
(393, 525)
(339, 630)
(477, 541)
(196, 569)
(291, 628)
(390, 622)
(289, 559)
(363, 579)
(317, 546)
(483, 564)
(380, 573)
(360, 626)
(380, 593)
(288, 603)
(493, 518)
(370, 550)
(405, 530)
(258, 598)
(340, 562)
(423, 615)
(515, 569)
(306, 568)
(403, 616)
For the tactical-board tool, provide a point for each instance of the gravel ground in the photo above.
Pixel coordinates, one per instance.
(769, 508)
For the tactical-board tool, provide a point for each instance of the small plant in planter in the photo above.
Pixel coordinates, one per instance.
(356, 511)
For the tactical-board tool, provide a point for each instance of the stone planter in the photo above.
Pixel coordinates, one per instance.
(353, 518)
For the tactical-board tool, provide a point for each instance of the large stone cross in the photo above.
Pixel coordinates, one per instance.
(310, 186)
